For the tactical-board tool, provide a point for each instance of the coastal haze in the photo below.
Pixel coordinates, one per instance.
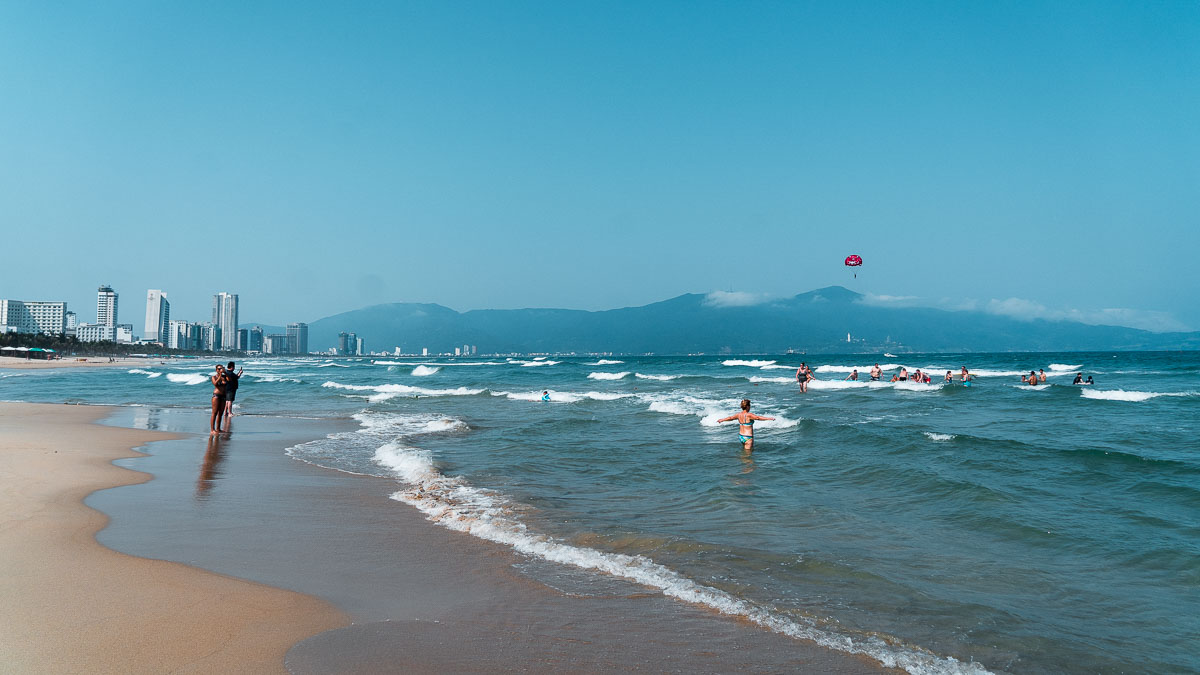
(498, 278)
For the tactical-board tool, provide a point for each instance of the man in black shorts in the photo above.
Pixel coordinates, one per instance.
(230, 391)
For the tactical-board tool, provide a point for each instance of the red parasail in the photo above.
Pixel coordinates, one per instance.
(853, 261)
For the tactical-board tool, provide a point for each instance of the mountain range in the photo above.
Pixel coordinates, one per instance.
(815, 322)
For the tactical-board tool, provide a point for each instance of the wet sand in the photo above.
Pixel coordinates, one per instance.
(72, 605)
(422, 598)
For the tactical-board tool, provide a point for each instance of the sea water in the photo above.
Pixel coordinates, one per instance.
(939, 528)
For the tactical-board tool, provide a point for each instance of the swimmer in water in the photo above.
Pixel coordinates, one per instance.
(1041, 376)
(876, 373)
(1078, 378)
(903, 374)
(853, 375)
(745, 421)
(802, 377)
(949, 377)
(545, 395)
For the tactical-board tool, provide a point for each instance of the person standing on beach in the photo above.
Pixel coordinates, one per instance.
(231, 386)
(218, 400)
(745, 421)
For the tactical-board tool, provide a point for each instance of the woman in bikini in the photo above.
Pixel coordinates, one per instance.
(218, 400)
(745, 421)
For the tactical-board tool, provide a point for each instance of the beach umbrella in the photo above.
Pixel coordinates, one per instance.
(8, 349)
(22, 349)
(36, 349)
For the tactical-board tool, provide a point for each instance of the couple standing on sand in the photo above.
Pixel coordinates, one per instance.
(225, 384)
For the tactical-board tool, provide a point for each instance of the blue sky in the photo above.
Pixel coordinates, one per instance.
(1022, 158)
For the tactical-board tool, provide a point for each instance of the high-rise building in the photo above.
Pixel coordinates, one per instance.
(158, 316)
(210, 337)
(346, 343)
(124, 333)
(243, 340)
(95, 332)
(424, 351)
(30, 316)
(297, 334)
(106, 306)
(256, 340)
(225, 317)
(276, 343)
(458, 351)
(183, 335)
(360, 346)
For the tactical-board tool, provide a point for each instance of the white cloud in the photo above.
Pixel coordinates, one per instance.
(891, 300)
(1028, 310)
(734, 299)
(1019, 308)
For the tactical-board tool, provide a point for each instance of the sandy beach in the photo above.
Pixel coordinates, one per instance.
(189, 575)
(72, 605)
(22, 363)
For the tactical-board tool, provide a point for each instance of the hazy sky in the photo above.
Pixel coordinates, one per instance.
(1037, 159)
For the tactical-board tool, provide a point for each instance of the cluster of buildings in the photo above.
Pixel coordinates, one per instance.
(220, 334)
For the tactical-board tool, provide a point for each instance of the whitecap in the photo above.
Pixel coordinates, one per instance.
(607, 376)
(604, 362)
(780, 380)
(387, 391)
(1121, 395)
(661, 378)
(1064, 367)
(424, 371)
(939, 437)
(148, 373)
(187, 378)
(751, 363)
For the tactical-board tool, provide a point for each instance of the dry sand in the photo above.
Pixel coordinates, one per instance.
(22, 363)
(71, 605)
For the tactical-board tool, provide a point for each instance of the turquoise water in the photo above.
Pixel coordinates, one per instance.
(939, 528)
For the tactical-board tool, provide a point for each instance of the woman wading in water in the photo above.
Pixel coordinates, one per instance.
(745, 421)
(218, 400)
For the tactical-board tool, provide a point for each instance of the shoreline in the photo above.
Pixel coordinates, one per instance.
(19, 363)
(421, 598)
(75, 605)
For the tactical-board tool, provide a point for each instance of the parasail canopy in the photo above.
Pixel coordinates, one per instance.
(853, 261)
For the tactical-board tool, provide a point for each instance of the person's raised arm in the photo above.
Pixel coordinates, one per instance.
(760, 417)
(726, 419)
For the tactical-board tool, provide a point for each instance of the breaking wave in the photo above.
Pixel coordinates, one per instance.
(424, 371)
(607, 376)
(187, 378)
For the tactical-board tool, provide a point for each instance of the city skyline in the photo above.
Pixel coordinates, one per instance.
(592, 158)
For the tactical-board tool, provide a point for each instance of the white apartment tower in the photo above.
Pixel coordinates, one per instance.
(106, 306)
(225, 317)
(158, 316)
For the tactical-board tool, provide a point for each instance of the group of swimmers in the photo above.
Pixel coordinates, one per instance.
(804, 375)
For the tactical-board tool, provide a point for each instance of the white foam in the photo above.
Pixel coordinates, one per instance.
(456, 505)
(332, 365)
(540, 361)
(424, 371)
(939, 437)
(1035, 387)
(983, 372)
(778, 366)
(780, 380)
(187, 378)
(751, 364)
(1064, 367)
(836, 384)
(389, 363)
(148, 373)
(1121, 395)
(604, 362)
(661, 378)
(832, 368)
(918, 386)
(607, 376)
(561, 396)
(386, 391)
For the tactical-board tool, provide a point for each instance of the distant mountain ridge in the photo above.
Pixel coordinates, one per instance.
(816, 321)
